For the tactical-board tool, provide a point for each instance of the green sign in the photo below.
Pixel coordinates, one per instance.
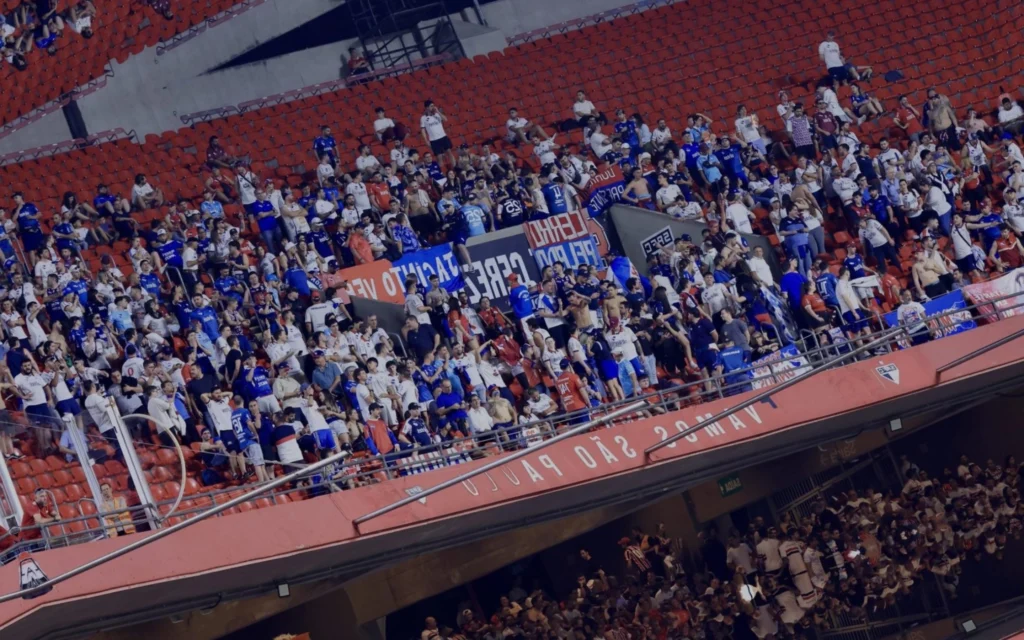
(729, 485)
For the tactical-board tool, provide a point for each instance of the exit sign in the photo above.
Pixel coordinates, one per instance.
(729, 485)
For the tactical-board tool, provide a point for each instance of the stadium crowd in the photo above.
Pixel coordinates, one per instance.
(856, 555)
(238, 335)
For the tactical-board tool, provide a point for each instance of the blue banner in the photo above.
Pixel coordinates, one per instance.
(439, 261)
(605, 189)
(946, 325)
(572, 254)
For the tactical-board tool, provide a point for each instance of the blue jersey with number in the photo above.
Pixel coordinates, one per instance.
(555, 196)
(240, 419)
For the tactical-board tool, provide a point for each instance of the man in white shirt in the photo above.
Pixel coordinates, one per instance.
(748, 129)
(828, 52)
(480, 422)
(357, 189)
(738, 215)
(522, 130)
(912, 315)
(661, 136)
(599, 142)
(366, 162)
(760, 268)
(432, 124)
(584, 109)
(878, 243)
(541, 404)
(1011, 115)
(316, 313)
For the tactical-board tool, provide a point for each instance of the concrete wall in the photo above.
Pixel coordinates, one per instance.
(49, 130)
(516, 16)
(635, 225)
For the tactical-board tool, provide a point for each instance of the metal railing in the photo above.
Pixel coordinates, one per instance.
(181, 38)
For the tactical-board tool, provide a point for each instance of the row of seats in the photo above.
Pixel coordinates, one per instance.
(123, 28)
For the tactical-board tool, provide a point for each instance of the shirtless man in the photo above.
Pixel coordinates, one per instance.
(579, 309)
(804, 199)
(638, 191)
(612, 306)
(942, 120)
(503, 414)
(926, 277)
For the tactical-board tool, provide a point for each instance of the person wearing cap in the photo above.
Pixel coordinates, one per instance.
(380, 440)
(415, 427)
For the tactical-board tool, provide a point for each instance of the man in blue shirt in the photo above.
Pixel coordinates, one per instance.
(792, 284)
(703, 342)
(825, 283)
(451, 407)
(27, 215)
(794, 233)
(266, 218)
(242, 425)
(555, 195)
(324, 144)
(206, 317)
(733, 358)
(520, 300)
(855, 263)
(296, 278)
(729, 153)
(149, 280)
(229, 286)
(416, 428)
(257, 386)
(478, 222)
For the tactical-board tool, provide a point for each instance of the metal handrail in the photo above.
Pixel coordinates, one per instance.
(978, 352)
(48, 584)
(770, 391)
(497, 463)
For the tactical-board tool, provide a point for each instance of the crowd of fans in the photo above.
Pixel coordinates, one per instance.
(856, 555)
(246, 345)
(41, 25)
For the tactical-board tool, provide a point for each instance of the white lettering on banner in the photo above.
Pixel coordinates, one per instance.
(546, 462)
(363, 288)
(713, 431)
(627, 450)
(585, 457)
(600, 199)
(390, 284)
(571, 254)
(533, 473)
(556, 229)
(490, 277)
(609, 457)
(445, 267)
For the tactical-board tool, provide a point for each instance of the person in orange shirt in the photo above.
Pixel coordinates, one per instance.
(360, 246)
(492, 317)
(1006, 252)
(379, 193)
(572, 392)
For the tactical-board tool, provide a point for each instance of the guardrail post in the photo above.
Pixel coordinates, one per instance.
(82, 451)
(131, 461)
(10, 492)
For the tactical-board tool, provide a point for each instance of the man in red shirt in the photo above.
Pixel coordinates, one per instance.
(379, 439)
(1006, 252)
(572, 392)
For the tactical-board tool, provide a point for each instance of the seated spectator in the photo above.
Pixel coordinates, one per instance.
(144, 196)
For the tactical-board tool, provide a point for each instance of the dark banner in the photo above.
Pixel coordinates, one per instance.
(496, 255)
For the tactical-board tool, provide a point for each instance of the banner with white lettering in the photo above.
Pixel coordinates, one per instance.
(373, 280)
(652, 244)
(605, 189)
(1002, 290)
(495, 256)
(946, 325)
(786, 363)
(439, 261)
(565, 238)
